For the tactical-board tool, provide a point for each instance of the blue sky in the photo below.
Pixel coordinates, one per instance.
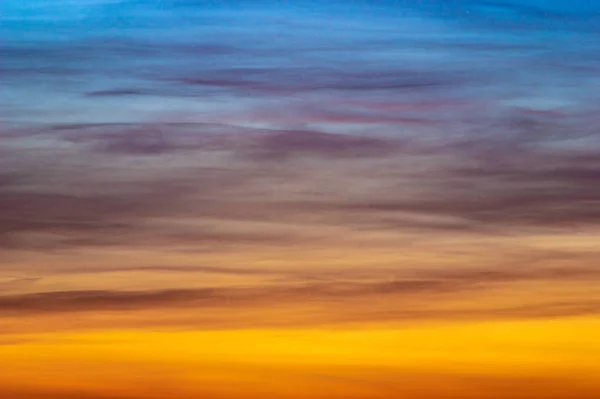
(123, 61)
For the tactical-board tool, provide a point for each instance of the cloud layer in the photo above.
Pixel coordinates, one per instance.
(397, 151)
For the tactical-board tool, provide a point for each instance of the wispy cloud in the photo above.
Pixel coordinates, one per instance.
(427, 287)
(275, 132)
(197, 172)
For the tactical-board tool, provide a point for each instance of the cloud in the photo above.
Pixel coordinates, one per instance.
(177, 269)
(164, 138)
(307, 114)
(500, 184)
(513, 273)
(107, 210)
(16, 282)
(281, 145)
(291, 80)
(76, 301)
(417, 288)
(116, 93)
(120, 184)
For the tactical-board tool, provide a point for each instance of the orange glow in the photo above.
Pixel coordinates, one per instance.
(381, 361)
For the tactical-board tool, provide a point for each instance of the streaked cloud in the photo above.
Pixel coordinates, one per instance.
(340, 170)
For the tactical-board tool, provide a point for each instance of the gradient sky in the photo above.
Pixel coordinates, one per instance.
(300, 199)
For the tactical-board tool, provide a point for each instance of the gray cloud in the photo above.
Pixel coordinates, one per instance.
(198, 172)
(490, 183)
(116, 93)
(281, 145)
(289, 80)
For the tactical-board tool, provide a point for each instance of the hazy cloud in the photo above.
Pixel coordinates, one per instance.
(421, 287)
(275, 131)
(199, 171)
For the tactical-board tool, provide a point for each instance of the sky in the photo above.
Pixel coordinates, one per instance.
(300, 199)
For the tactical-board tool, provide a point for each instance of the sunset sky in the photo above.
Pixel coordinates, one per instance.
(300, 199)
